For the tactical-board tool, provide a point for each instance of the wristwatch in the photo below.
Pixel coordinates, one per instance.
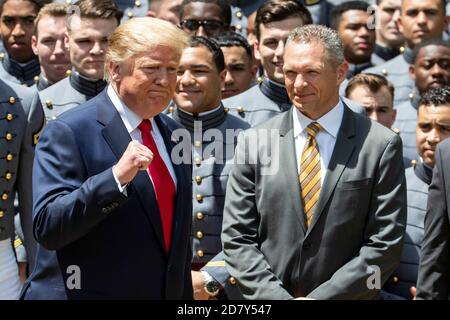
(212, 287)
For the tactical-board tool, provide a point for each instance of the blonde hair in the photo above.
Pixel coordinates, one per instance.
(139, 35)
(55, 10)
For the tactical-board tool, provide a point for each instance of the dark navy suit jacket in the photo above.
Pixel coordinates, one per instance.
(82, 221)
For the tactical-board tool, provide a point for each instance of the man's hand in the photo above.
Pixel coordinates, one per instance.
(198, 282)
(136, 157)
(413, 292)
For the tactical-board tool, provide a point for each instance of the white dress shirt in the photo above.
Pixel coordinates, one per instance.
(132, 121)
(326, 138)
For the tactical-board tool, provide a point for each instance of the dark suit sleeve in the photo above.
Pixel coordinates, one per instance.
(243, 258)
(383, 236)
(434, 270)
(67, 202)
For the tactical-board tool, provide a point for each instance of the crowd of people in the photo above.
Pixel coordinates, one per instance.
(215, 149)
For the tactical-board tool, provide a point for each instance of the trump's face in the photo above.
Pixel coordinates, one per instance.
(146, 82)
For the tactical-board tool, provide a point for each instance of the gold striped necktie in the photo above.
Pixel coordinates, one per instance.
(310, 183)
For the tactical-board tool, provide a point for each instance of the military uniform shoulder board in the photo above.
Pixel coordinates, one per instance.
(311, 2)
(37, 134)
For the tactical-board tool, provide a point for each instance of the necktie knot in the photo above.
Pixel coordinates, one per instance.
(313, 129)
(145, 126)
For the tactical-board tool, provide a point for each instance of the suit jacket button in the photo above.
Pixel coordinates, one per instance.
(200, 215)
(232, 280)
(104, 210)
(306, 246)
(200, 253)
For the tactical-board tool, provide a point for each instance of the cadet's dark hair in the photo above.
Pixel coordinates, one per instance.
(373, 82)
(96, 9)
(278, 10)
(213, 47)
(429, 42)
(339, 10)
(223, 4)
(436, 97)
(233, 39)
(37, 3)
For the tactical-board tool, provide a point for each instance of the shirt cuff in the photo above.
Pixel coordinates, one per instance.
(122, 189)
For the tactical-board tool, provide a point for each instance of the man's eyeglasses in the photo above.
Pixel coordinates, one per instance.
(210, 26)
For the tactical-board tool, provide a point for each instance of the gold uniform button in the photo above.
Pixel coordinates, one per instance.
(9, 117)
(200, 253)
(198, 179)
(9, 136)
(171, 109)
(396, 130)
(49, 104)
(2, 56)
(199, 234)
(36, 79)
(200, 215)
(260, 79)
(4, 196)
(2, 214)
(68, 73)
(68, 1)
(238, 27)
(137, 3)
(199, 197)
(226, 109)
(411, 96)
(12, 100)
(198, 161)
(413, 163)
(239, 14)
(130, 14)
(384, 72)
(9, 157)
(402, 49)
(395, 279)
(232, 280)
(8, 176)
(240, 109)
(197, 144)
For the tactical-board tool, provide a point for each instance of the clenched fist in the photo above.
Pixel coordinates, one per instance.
(136, 157)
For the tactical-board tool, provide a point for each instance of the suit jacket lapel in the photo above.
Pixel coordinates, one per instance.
(288, 166)
(118, 138)
(343, 149)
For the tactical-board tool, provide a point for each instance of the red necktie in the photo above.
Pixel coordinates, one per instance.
(162, 182)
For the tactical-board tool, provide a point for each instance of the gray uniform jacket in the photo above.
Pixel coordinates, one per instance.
(12, 71)
(211, 164)
(405, 277)
(21, 121)
(383, 54)
(397, 72)
(359, 220)
(68, 93)
(406, 122)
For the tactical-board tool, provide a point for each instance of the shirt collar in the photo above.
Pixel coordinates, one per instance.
(130, 119)
(330, 122)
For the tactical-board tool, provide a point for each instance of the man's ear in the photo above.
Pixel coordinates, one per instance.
(412, 72)
(256, 53)
(115, 71)
(342, 72)
(34, 44)
(66, 40)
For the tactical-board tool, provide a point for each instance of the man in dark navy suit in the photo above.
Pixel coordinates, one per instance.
(112, 211)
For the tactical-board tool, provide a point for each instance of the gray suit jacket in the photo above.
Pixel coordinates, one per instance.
(359, 222)
(434, 271)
